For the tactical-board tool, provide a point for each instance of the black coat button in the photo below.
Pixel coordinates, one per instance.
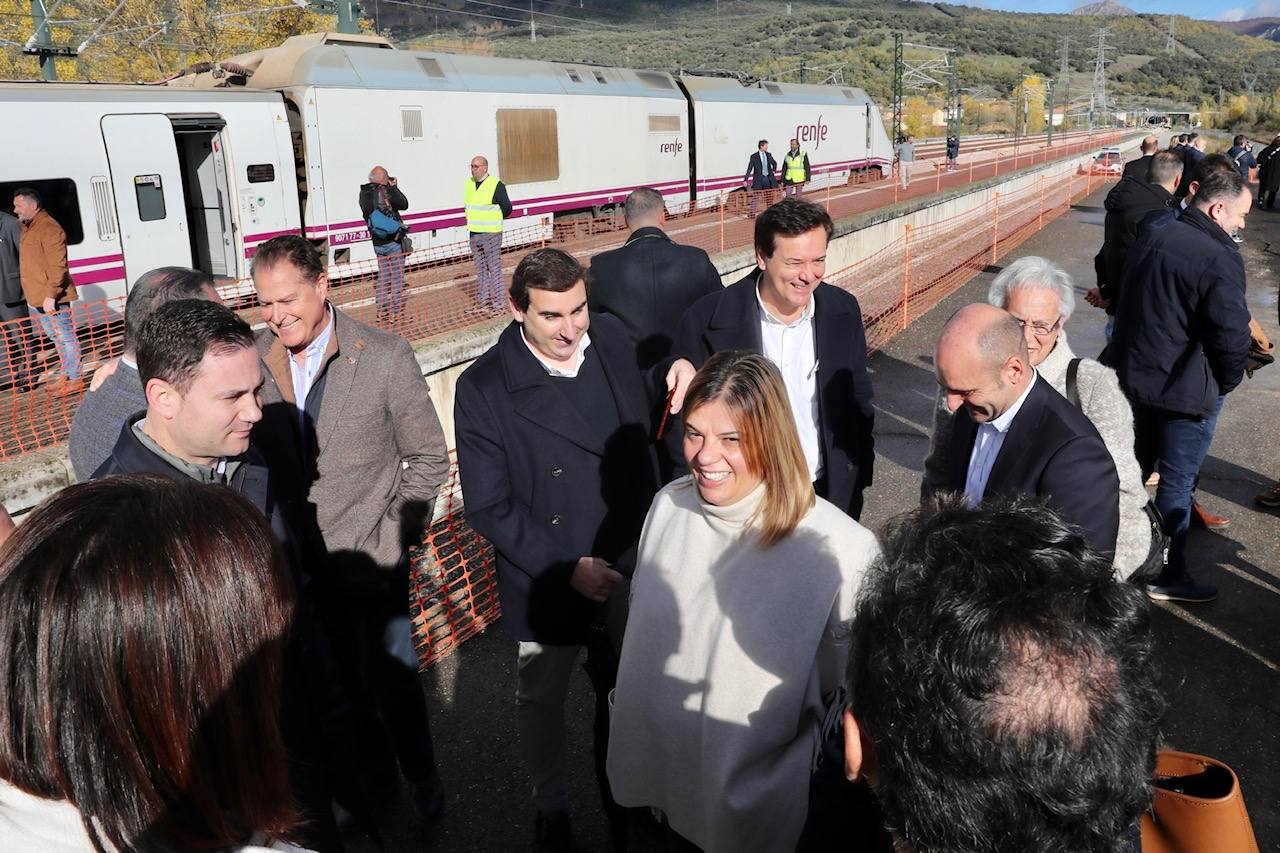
(557, 471)
(555, 519)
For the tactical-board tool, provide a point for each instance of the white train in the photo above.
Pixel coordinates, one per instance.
(201, 170)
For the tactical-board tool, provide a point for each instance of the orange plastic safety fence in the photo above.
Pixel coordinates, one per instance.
(452, 592)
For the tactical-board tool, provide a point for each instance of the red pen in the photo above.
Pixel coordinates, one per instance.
(666, 413)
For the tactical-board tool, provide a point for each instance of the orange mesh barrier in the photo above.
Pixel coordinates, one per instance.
(452, 592)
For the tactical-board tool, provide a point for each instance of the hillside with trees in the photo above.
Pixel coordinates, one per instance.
(1000, 56)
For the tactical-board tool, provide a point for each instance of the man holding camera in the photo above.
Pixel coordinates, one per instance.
(380, 204)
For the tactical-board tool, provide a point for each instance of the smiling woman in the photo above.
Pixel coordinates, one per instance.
(741, 597)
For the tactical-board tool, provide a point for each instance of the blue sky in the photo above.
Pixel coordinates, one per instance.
(1228, 10)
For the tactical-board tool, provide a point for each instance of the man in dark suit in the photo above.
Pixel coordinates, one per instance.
(1192, 154)
(1137, 169)
(558, 471)
(761, 174)
(649, 282)
(1128, 203)
(812, 331)
(1013, 434)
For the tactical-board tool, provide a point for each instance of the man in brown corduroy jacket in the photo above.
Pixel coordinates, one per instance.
(47, 286)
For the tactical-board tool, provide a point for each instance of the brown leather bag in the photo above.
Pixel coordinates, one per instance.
(1197, 808)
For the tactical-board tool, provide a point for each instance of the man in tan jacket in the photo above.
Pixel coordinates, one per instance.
(349, 428)
(47, 285)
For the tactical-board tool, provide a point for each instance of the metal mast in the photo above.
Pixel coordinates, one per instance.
(897, 87)
(1099, 95)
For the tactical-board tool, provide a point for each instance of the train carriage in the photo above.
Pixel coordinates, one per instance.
(838, 126)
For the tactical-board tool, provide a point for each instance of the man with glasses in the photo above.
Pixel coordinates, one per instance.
(1012, 434)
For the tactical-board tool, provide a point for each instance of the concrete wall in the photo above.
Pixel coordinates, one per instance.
(30, 478)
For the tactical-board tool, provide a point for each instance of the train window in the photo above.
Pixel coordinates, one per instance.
(654, 80)
(57, 196)
(772, 89)
(150, 193)
(600, 78)
(261, 173)
(573, 75)
(664, 124)
(431, 67)
(528, 146)
(411, 123)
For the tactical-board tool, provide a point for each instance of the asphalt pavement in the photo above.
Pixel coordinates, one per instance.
(1218, 660)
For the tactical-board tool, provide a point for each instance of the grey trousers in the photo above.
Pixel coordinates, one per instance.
(486, 251)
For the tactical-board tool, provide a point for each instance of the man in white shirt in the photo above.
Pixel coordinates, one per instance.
(1013, 434)
(812, 331)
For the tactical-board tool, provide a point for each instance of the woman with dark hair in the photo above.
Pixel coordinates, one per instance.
(739, 625)
(143, 620)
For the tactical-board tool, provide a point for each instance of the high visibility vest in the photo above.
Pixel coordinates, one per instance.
(483, 216)
(793, 168)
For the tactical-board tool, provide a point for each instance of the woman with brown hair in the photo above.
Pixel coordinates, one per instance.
(739, 625)
(143, 619)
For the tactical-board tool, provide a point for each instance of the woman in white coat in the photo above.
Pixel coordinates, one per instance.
(739, 625)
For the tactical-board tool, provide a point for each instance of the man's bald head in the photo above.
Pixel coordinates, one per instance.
(982, 362)
(983, 331)
(1150, 144)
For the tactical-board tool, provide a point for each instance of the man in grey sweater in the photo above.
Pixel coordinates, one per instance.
(104, 410)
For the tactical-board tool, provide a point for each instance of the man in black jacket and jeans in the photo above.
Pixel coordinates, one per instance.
(1180, 345)
(383, 194)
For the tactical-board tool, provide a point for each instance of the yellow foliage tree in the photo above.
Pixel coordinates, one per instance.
(1029, 95)
(1236, 108)
(917, 115)
(149, 40)
(1208, 112)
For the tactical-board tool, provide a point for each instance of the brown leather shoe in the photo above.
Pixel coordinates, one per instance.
(67, 388)
(1201, 517)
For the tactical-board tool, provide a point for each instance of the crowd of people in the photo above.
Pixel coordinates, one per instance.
(670, 473)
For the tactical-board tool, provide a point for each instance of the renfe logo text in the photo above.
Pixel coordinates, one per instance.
(814, 133)
(672, 148)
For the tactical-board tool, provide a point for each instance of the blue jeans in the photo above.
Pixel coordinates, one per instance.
(388, 293)
(1176, 445)
(59, 328)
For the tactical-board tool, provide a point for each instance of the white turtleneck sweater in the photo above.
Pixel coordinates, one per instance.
(731, 653)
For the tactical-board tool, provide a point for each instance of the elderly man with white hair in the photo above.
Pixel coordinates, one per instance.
(1040, 296)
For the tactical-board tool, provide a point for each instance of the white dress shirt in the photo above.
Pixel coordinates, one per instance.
(986, 447)
(304, 374)
(791, 346)
(554, 369)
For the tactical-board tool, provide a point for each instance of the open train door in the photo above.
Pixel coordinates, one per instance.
(147, 182)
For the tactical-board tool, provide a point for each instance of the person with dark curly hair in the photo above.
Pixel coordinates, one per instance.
(1003, 694)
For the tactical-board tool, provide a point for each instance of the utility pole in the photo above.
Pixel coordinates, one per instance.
(897, 87)
(1053, 84)
(1064, 74)
(1100, 62)
(533, 25)
(802, 69)
(40, 45)
(348, 12)
(1169, 43)
(953, 99)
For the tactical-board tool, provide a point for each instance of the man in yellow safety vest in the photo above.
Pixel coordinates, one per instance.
(795, 169)
(487, 204)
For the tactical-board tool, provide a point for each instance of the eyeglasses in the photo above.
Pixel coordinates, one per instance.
(1040, 329)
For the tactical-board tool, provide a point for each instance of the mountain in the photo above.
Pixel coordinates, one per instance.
(1263, 28)
(1103, 9)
